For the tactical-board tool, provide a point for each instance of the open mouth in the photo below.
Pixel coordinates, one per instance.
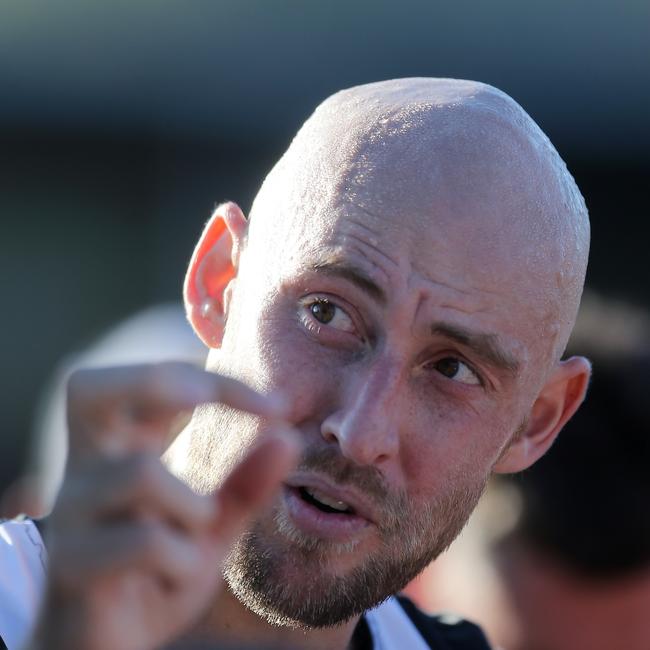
(324, 503)
(323, 514)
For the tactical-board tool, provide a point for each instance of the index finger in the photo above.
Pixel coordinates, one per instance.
(100, 399)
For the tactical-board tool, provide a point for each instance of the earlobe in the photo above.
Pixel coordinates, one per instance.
(212, 271)
(556, 403)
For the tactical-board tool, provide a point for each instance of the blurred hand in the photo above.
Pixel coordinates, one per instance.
(135, 554)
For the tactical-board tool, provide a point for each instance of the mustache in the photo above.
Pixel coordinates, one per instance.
(344, 472)
(366, 479)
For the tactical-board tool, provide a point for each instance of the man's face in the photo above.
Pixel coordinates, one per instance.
(403, 294)
(407, 354)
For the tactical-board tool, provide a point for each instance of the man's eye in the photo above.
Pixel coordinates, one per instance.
(327, 313)
(455, 369)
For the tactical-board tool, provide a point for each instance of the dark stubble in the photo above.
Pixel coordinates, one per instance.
(261, 568)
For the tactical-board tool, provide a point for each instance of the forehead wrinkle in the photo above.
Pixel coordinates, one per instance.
(469, 290)
(372, 236)
(351, 263)
(462, 309)
(349, 235)
(371, 251)
(338, 267)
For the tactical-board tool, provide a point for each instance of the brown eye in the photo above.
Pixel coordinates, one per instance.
(328, 313)
(323, 311)
(448, 367)
(456, 370)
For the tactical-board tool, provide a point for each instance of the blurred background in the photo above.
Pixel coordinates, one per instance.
(122, 123)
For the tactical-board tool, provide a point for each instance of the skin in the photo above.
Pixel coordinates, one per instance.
(134, 554)
(438, 231)
(436, 203)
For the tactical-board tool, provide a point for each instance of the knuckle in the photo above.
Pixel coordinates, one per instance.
(144, 472)
(150, 540)
(75, 494)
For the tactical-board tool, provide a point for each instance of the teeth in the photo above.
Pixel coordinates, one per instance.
(328, 501)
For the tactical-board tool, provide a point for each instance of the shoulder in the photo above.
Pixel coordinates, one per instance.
(445, 631)
(22, 579)
(21, 537)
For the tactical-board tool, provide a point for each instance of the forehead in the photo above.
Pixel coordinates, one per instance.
(406, 250)
(427, 269)
(448, 221)
(465, 177)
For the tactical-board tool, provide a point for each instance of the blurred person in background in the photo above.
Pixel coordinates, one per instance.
(576, 567)
(409, 279)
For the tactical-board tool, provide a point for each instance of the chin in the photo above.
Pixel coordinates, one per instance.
(294, 571)
(310, 583)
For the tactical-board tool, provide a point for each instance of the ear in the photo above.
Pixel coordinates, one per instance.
(558, 400)
(212, 272)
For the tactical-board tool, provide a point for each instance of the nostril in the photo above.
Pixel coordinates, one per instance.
(330, 436)
(329, 429)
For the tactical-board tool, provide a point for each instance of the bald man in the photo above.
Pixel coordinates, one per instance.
(385, 331)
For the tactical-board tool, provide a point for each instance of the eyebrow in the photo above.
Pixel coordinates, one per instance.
(485, 345)
(353, 274)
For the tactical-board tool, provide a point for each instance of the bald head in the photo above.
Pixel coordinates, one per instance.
(458, 156)
(412, 267)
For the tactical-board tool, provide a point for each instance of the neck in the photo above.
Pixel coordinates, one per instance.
(230, 622)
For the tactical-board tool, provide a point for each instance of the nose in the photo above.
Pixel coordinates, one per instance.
(366, 426)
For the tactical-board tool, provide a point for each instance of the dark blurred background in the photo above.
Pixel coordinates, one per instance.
(123, 122)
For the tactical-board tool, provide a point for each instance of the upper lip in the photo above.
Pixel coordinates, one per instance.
(349, 496)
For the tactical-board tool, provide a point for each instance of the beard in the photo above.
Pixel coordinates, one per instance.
(284, 575)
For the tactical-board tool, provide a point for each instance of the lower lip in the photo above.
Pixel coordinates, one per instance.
(326, 525)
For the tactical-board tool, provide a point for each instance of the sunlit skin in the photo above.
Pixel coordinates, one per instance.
(408, 279)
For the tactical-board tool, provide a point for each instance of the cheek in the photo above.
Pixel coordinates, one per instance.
(290, 362)
(447, 448)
